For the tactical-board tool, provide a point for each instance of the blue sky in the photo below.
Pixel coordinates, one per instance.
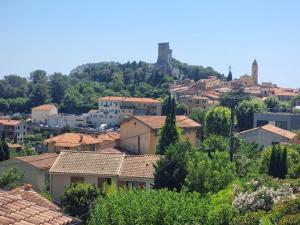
(58, 35)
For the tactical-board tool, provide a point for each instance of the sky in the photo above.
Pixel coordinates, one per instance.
(58, 35)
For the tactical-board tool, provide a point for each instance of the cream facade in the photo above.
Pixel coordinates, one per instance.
(141, 134)
(40, 114)
(113, 110)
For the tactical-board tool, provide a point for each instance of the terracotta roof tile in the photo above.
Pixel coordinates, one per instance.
(43, 161)
(72, 139)
(157, 122)
(9, 122)
(45, 107)
(27, 193)
(14, 209)
(73, 162)
(139, 166)
(128, 99)
(275, 130)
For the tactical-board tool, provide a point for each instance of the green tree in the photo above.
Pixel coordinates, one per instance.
(3, 105)
(278, 162)
(181, 109)
(214, 143)
(169, 132)
(58, 85)
(78, 198)
(198, 115)
(207, 174)
(217, 121)
(11, 178)
(4, 149)
(171, 169)
(229, 77)
(245, 113)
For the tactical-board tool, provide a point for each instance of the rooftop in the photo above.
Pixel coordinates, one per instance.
(273, 129)
(45, 107)
(9, 122)
(105, 163)
(76, 139)
(128, 99)
(14, 209)
(157, 122)
(27, 193)
(43, 161)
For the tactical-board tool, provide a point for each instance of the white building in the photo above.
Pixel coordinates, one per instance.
(62, 120)
(41, 113)
(113, 110)
(14, 129)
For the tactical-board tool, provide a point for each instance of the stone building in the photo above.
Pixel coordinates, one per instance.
(164, 59)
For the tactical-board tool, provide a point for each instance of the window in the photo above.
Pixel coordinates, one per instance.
(281, 124)
(102, 180)
(260, 123)
(77, 179)
(135, 184)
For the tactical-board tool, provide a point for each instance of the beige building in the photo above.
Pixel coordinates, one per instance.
(113, 109)
(100, 168)
(268, 135)
(140, 134)
(197, 102)
(40, 114)
(81, 142)
(35, 168)
(14, 129)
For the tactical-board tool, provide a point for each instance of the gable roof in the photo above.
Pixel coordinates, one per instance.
(27, 193)
(273, 129)
(43, 161)
(45, 107)
(157, 122)
(128, 99)
(14, 209)
(139, 166)
(73, 162)
(105, 163)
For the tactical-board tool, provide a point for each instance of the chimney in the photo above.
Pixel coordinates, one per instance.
(27, 187)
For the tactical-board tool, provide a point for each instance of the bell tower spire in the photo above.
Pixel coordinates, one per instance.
(255, 72)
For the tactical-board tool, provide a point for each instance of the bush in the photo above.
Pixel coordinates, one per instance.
(11, 178)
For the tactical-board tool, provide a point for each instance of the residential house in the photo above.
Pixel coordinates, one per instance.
(197, 102)
(18, 210)
(35, 168)
(63, 120)
(140, 134)
(268, 135)
(99, 168)
(14, 129)
(81, 142)
(40, 114)
(113, 110)
(287, 121)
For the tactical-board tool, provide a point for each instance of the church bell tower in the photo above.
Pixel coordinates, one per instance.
(255, 72)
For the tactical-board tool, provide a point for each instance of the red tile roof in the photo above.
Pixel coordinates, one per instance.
(43, 161)
(157, 122)
(45, 107)
(9, 122)
(27, 193)
(128, 99)
(275, 130)
(15, 210)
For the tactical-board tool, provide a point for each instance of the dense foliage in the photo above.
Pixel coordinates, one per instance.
(78, 92)
(217, 121)
(11, 178)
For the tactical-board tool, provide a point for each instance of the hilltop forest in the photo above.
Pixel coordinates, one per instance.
(77, 92)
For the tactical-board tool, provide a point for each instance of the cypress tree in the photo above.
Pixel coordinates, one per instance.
(5, 147)
(284, 164)
(169, 133)
(272, 166)
(2, 154)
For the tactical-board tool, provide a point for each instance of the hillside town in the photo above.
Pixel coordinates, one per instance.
(120, 143)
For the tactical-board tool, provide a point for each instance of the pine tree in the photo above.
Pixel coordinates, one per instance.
(169, 132)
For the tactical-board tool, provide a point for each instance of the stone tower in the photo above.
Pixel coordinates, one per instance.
(164, 58)
(255, 72)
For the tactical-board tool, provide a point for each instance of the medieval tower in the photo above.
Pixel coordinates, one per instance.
(164, 59)
(255, 72)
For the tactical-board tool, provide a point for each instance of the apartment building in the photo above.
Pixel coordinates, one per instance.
(113, 110)
(14, 129)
